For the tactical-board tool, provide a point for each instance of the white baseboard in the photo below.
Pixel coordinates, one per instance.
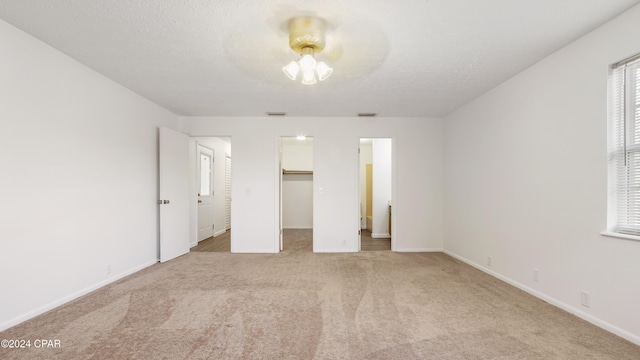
(332, 251)
(553, 301)
(418, 250)
(298, 227)
(254, 251)
(218, 233)
(381, 236)
(54, 304)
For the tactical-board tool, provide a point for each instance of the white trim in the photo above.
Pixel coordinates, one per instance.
(553, 301)
(418, 250)
(619, 235)
(308, 227)
(255, 251)
(203, 145)
(65, 299)
(332, 251)
(219, 232)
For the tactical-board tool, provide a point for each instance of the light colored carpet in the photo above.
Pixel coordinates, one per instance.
(301, 305)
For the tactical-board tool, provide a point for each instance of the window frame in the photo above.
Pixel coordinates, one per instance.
(623, 163)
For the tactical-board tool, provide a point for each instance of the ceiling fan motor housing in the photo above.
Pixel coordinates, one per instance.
(306, 32)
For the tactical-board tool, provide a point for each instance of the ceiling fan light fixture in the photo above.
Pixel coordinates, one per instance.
(307, 61)
(291, 70)
(306, 37)
(308, 78)
(323, 70)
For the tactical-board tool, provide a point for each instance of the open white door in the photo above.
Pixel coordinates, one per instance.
(174, 194)
(204, 181)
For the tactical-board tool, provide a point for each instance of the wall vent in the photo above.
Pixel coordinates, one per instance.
(367, 114)
(276, 113)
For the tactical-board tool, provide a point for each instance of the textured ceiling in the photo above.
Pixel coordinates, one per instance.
(224, 58)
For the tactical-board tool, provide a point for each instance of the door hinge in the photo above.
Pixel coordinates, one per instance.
(359, 231)
(280, 231)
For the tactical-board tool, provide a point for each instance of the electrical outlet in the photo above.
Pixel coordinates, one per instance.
(344, 242)
(536, 275)
(585, 299)
(108, 269)
(489, 260)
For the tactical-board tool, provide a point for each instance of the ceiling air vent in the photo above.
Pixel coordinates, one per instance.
(276, 113)
(367, 114)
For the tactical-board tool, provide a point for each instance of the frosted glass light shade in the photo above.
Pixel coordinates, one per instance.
(291, 70)
(308, 77)
(307, 63)
(323, 70)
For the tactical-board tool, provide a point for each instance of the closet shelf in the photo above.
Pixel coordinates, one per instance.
(297, 172)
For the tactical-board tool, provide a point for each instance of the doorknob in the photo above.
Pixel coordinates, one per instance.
(199, 201)
(165, 201)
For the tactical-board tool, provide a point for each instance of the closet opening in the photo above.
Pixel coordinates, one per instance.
(296, 193)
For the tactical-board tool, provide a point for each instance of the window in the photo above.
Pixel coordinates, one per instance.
(624, 147)
(205, 174)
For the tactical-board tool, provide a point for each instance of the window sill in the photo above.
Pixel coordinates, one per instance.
(621, 236)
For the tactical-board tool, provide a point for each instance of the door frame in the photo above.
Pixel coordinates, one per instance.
(193, 188)
(279, 232)
(394, 181)
(227, 191)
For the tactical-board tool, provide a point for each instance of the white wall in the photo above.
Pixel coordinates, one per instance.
(382, 163)
(297, 189)
(221, 149)
(526, 172)
(78, 155)
(417, 186)
(297, 201)
(297, 155)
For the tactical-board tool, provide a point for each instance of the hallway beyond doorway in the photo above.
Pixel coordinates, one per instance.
(220, 243)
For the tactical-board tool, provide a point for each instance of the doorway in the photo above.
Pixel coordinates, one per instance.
(375, 194)
(296, 193)
(204, 178)
(211, 181)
